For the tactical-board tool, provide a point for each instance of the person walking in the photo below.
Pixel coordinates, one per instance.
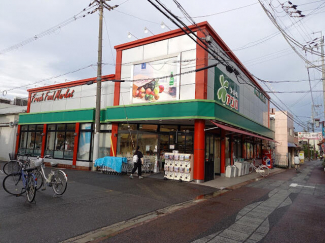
(138, 161)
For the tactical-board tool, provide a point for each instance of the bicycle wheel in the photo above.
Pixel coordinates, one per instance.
(39, 179)
(30, 188)
(11, 167)
(263, 170)
(13, 184)
(59, 182)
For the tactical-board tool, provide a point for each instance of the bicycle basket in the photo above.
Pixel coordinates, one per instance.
(36, 163)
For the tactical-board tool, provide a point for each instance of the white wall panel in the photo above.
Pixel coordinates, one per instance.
(155, 49)
(180, 44)
(132, 55)
(187, 92)
(73, 103)
(36, 107)
(88, 102)
(60, 104)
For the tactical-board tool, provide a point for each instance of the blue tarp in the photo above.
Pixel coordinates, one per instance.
(114, 163)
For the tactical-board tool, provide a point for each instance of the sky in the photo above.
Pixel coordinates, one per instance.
(48, 42)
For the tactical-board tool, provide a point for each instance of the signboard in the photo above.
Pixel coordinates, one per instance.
(52, 95)
(260, 95)
(226, 91)
(310, 135)
(156, 81)
(302, 156)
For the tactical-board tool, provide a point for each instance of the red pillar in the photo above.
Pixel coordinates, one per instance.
(43, 140)
(223, 152)
(199, 151)
(76, 143)
(243, 147)
(17, 138)
(114, 139)
(232, 149)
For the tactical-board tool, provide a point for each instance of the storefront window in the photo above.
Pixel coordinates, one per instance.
(84, 146)
(125, 147)
(148, 127)
(189, 144)
(168, 128)
(69, 145)
(104, 144)
(126, 127)
(50, 140)
(187, 128)
(31, 140)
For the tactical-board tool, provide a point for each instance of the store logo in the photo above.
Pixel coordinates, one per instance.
(52, 95)
(226, 94)
(260, 95)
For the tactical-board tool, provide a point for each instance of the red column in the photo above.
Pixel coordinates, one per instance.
(223, 152)
(199, 151)
(201, 77)
(243, 148)
(17, 139)
(114, 139)
(28, 102)
(43, 140)
(76, 143)
(232, 149)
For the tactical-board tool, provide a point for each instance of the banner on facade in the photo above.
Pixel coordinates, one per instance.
(226, 91)
(310, 135)
(157, 80)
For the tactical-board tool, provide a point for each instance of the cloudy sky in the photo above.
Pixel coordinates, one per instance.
(47, 42)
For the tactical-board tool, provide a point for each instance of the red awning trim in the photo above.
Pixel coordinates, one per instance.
(232, 129)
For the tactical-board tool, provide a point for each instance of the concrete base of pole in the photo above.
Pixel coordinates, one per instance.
(95, 149)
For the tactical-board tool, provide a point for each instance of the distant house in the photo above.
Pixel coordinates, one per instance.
(9, 115)
(287, 145)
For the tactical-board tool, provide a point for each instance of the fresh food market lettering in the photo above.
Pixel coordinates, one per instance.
(52, 95)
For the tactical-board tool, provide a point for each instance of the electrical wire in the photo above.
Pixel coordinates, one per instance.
(50, 31)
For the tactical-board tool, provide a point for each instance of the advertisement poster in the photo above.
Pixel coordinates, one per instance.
(155, 81)
(226, 91)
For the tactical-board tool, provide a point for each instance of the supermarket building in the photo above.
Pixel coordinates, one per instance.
(217, 114)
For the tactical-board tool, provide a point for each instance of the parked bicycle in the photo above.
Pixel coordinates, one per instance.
(261, 169)
(56, 179)
(13, 166)
(21, 182)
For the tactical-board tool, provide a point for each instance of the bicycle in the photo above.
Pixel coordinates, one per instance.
(13, 165)
(263, 170)
(56, 179)
(21, 182)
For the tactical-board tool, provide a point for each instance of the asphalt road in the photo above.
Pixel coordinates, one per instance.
(286, 207)
(92, 200)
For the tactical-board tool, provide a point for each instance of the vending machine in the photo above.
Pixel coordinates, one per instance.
(267, 158)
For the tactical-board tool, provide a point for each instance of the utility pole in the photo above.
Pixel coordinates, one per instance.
(99, 86)
(101, 5)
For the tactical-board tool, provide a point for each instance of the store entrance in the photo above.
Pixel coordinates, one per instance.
(212, 157)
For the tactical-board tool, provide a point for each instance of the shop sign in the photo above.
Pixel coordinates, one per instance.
(310, 135)
(52, 95)
(260, 95)
(226, 91)
(156, 81)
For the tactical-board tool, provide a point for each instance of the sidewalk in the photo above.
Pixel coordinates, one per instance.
(223, 182)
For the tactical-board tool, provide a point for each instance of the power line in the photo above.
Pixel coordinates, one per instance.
(51, 30)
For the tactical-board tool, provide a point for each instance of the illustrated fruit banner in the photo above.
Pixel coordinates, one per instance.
(155, 81)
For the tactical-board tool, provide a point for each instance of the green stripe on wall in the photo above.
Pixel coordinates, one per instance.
(190, 109)
(71, 116)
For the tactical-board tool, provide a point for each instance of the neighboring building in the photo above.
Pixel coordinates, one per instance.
(9, 115)
(311, 138)
(164, 104)
(286, 146)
